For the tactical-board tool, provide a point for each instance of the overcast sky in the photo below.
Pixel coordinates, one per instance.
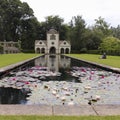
(88, 9)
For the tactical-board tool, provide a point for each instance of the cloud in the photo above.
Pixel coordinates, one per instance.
(89, 9)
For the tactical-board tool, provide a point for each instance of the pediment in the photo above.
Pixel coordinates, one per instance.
(64, 43)
(40, 42)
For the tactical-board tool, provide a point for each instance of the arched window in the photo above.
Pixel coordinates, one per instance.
(62, 51)
(52, 37)
(38, 50)
(42, 50)
(67, 51)
(52, 50)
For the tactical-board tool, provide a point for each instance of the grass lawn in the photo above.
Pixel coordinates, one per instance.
(8, 59)
(113, 61)
(59, 117)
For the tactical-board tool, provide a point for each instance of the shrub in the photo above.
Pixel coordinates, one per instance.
(28, 51)
(83, 50)
(1, 49)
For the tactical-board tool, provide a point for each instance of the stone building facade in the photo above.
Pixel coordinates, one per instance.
(52, 45)
(10, 47)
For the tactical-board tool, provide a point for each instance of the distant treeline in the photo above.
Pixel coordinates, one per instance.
(17, 22)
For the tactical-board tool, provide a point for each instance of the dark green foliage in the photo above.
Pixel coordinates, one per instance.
(53, 22)
(28, 51)
(94, 52)
(13, 12)
(110, 44)
(116, 31)
(1, 49)
(18, 23)
(77, 30)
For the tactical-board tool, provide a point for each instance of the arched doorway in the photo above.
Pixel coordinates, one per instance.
(62, 51)
(42, 50)
(52, 50)
(38, 50)
(67, 51)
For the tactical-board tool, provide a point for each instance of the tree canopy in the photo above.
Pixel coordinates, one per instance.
(17, 22)
(110, 43)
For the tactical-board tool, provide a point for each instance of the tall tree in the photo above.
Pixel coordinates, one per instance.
(92, 40)
(77, 30)
(116, 31)
(29, 33)
(28, 28)
(10, 18)
(17, 22)
(102, 28)
(96, 33)
(53, 22)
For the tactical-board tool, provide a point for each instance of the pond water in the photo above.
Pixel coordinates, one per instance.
(59, 80)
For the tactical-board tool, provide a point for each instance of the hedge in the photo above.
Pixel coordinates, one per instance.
(108, 52)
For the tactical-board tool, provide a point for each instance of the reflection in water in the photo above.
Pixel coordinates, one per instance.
(10, 95)
(14, 87)
(53, 62)
(59, 80)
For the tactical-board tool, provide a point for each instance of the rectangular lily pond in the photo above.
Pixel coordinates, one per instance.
(59, 80)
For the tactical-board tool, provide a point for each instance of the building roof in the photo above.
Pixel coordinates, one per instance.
(64, 43)
(43, 41)
(52, 31)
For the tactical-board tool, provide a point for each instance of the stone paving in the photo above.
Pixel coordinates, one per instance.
(81, 110)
